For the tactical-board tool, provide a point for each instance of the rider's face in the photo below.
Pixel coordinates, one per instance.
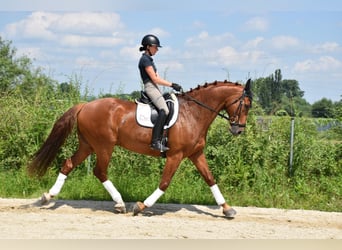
(153, 49)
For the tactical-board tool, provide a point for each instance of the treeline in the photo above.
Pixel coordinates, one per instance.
(278, 96)
(252, 169)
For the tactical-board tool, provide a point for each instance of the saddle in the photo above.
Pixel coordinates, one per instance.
(147, 113)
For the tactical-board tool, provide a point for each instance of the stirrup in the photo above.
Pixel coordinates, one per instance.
(159, 146)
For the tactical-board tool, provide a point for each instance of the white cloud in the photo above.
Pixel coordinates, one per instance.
(205, 40)
(224, 50)
(198, 24)
(159, 32)
(171, 65)
(326, 47)
(257, 24)
(284, 42)
(86, 61)
(130, 52)
(227, 53)
(230, 56)
(322, 64)
(203, 35)
(87, 23)
(31, 52)
(35, 26)
(200, 40)
(90, 41)
(70, 29)
(254, 43)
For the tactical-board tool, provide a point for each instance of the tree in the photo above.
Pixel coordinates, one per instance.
(135, 95)
(276, 89)
(17, 73)
(12, 70)
(269, 92)
(338, 110)
(290, 88)
(323, 108)
(263, 96)
(275, 94)
(338, 115)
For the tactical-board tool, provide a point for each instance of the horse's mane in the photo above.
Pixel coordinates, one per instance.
(206, 84)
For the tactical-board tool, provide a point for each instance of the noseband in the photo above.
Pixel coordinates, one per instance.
(235, 118)
(233, 121)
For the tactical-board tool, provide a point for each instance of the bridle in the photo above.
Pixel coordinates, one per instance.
(233, 120)
(236, 116)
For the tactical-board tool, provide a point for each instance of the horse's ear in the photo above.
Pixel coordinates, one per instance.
(248, 86)
(248, 89)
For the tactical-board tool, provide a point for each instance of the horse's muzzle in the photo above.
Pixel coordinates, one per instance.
(236, 129)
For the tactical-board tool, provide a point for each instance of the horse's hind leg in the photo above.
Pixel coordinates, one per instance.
(100, 171)
(68, 165)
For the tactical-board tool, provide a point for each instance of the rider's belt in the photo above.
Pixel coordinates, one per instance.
(146, 81)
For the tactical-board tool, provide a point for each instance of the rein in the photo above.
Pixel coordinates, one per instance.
(238, 110)
(207, 107)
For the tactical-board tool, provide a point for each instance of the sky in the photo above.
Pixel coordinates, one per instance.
(97, 42)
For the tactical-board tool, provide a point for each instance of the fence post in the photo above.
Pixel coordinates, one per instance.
(87, 163)
(291, 146)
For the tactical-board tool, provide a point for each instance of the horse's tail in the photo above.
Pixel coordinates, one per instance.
(62, 128)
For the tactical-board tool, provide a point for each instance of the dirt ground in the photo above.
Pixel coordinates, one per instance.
(69, 219)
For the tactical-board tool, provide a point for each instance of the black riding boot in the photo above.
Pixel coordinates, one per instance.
(157, 132)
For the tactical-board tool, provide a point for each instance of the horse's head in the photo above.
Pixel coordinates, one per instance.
(237, 109)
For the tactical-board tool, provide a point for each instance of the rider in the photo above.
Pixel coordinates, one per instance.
(148, 72)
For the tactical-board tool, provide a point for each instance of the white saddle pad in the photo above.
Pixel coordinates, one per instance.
(144, 112)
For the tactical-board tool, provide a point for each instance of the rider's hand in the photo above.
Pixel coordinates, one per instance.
(176, 86)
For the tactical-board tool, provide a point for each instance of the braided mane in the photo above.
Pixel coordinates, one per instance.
(206, 84)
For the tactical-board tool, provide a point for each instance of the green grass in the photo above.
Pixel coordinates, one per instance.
(186, 188)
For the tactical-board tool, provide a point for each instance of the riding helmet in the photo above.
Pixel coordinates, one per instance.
(150, 40)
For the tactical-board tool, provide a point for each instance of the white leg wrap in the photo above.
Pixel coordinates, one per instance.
(149, 202)
(56, 188)
(217, 194)
(116, 196)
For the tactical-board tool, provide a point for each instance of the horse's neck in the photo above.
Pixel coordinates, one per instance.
(213, 99)
(215, 96)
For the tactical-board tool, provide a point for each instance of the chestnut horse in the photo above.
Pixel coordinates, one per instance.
(104, 123)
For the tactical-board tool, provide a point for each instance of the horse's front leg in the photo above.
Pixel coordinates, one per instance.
(202, 166)
(171, 165)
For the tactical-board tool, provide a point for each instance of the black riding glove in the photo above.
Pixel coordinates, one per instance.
(176, 86)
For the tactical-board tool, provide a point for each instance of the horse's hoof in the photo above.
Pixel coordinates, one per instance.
(229, 213)
(120, 208)
(138, 207)
(46, 197)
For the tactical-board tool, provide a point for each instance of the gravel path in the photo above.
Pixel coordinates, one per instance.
(69, 219)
